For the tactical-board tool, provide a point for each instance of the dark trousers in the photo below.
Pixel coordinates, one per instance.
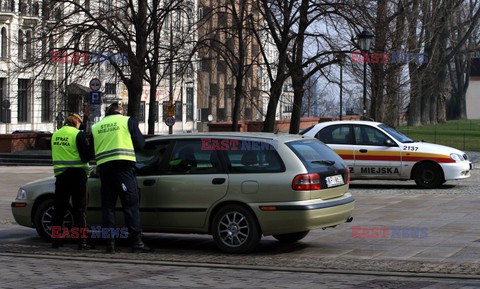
(70, 184)
(120, 181)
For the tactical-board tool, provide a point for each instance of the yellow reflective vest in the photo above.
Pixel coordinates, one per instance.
(65, 152)
(112, 139)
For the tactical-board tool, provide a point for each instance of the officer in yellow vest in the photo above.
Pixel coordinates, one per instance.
(116, 138)
(70, 156)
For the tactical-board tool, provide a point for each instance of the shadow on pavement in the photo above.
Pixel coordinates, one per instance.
(396, 186)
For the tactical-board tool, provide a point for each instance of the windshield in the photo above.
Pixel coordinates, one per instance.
(315, 154)
(398, 136)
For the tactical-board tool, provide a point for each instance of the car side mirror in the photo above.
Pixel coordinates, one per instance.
(389, 142)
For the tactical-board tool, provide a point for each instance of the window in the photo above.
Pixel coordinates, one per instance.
(36, 9)
(4, 43)
(28, 55)
(3, 96)
(189, 104)
(156, 111)
(366, 135)
(51, 43)
(23, 99)
(152, 160)
(47, 98)
(44, 46)
(314, 154)
(252, 157)
(21, 45)
(141, 114)
(46, 9)
(178, 111)
(86, 43)
(110, 88)
(188, 157)
(22, 7)
(335, 134)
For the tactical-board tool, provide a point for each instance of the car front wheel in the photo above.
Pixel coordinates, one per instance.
(291, 237)
(235, 230)
(43, 219)
(428, 176)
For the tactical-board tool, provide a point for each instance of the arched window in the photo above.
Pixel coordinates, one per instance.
(21, 45)
(4, 43)
(28, 44)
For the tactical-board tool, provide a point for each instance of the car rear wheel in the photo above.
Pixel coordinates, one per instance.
(235, 230)
(43, 219)
(291, 237)
(428, 176)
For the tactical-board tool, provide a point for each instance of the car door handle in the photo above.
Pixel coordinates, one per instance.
(363, 151)
(218, 181)
(148, 182)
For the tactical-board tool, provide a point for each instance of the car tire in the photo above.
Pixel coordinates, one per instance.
(43, 219)
(428, 176)
(235, 230)
(291, 237)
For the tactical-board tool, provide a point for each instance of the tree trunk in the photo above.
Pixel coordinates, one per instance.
(275, 93)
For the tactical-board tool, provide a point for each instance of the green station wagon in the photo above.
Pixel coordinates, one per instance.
(234, 186)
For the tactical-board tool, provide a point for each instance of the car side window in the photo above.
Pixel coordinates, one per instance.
(189, 157)
(367, 135)
(254, 157)
(335, 134)
(149, 161)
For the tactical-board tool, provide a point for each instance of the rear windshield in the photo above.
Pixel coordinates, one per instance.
(314, 154)
(306, 130)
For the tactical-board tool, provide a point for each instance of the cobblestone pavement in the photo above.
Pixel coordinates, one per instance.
(450, 215)
(62, 273)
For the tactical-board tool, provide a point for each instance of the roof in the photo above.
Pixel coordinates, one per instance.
(374, 123)
(239, 135)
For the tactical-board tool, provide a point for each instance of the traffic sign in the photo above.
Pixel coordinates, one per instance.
(170, 109)
(170, 121)
(95, 84)
(95, 97)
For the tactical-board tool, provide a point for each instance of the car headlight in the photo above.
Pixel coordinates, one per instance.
(22, 194)
(456, 157)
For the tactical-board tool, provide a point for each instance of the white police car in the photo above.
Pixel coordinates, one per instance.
(374, 150)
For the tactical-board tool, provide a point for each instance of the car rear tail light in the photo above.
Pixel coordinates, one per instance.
(306, 182)
(347, 175)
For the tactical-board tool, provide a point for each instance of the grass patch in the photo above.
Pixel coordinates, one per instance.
(460, 134)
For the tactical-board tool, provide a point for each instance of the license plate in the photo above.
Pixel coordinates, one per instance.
(334, 181)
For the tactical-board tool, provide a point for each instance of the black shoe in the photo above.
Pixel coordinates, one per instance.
(110, 246)
(85, 245)
(56, 243)
(139, 247)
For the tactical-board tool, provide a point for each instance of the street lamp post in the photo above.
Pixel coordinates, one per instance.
(341, 59)
(364, 41)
